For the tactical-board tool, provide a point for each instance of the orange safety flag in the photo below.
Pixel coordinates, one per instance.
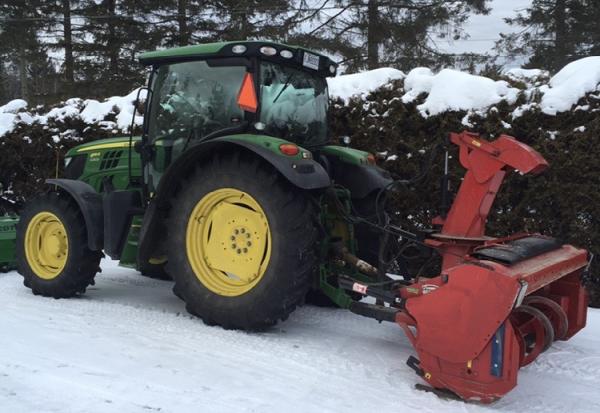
(247, 96)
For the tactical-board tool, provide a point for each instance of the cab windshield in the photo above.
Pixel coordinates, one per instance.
(293, 104)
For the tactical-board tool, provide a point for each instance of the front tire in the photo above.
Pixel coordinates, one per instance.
(52, 250)
(241, 244)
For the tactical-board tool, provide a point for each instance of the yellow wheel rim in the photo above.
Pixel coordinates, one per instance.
(46, 245)
(228, 242)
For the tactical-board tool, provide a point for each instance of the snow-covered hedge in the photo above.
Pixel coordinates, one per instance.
(400, 117)
(559, 116)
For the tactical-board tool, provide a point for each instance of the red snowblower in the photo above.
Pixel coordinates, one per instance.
(498, 302)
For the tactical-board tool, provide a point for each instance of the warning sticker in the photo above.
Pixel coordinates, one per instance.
(359, 288)
(427, 288)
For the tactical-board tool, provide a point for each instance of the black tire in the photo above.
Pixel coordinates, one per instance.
(155, 271)
(82, 264)
(293, 259)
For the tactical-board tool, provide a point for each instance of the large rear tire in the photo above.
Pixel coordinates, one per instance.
(241, 244)
(52, 250)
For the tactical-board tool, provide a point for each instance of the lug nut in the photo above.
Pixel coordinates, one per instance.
(239, 251)
(233, 246)
(248, 243)
(242, 230)
(245, 250)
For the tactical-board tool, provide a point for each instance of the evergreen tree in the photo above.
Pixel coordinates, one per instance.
(178, 22)
(554, 32)
(115, 33)
(22, 50)
(402, 33)
(256, 19)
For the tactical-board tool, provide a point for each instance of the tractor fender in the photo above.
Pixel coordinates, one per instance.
(302, 173)
(90, 204)
(360, 180)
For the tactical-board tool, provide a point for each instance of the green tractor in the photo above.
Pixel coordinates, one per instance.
(8, 227)
(234, 190)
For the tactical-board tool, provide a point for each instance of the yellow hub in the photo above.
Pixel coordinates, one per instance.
(228, 242)
(46, 245)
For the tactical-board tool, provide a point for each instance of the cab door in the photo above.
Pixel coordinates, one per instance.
(189, 101)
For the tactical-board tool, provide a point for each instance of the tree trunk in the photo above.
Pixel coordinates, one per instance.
(22, 64)
(184, 35)
(372, 36)
(113, 44)
(560, 45)
(68, 39)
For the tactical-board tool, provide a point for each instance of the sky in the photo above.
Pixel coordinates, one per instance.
(483, 30)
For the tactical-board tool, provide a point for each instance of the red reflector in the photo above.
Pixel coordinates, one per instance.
(289, 149)
(371, 159)
(247, 96)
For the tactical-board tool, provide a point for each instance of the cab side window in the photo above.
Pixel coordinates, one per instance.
(192, 99)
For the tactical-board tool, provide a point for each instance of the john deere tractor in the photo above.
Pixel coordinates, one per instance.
(235, 191)
(228, 190)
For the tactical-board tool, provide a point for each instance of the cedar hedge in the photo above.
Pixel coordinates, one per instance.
(563, 202)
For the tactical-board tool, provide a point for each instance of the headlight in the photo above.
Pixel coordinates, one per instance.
(238, 49)
(268, 51)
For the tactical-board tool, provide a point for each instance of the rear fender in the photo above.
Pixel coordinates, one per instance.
(90, 205)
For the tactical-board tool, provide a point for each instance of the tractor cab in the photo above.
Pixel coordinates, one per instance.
(199, 93)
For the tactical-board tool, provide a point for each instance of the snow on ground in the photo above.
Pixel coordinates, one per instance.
(571, 83)
(128, 346)
(453, 90)
(357, 84)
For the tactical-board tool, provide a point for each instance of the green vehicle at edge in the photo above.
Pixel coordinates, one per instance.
(233, 190)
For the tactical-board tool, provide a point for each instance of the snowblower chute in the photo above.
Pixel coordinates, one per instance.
(499, 302)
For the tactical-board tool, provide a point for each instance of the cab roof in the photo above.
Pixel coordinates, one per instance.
(299, 55)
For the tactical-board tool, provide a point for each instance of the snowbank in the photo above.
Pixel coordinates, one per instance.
(95, 111)
(531, 77)
(90, 112)
(346, 86)
(8, 115)
(13, 106)
(448, 90)
(453, 90)
(571, 84)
